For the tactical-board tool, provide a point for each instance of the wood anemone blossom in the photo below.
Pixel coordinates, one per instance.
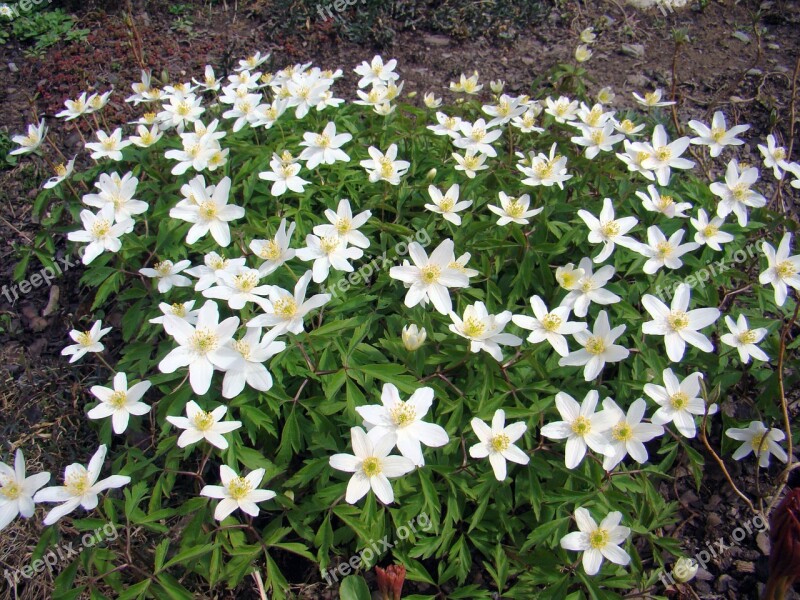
(784, 556)
(390, 581)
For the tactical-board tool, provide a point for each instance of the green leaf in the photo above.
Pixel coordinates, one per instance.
(354, 588)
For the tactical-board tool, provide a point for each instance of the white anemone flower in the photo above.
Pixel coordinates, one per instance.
(430, 278)
(447, 204)
(628, 434)
(581, 426)
(248, 368)
(758, 440)
(735, 194)
(86, 341)
(679, 402)
(81, 487)
(371, 466)
(17, 490)
(585, 286)
(285, 311)
(678, 324)
(598, 348)
(485, 331)
(343, 224)
(202, 347)
(744, 339)
(548, 325)
(120, 402)
(497, 442)
(607, 230)
(201, 425)
(783, 270)
(237, 492)
(404, 420)
(717, 136)
(709, 232)
(663, 252)
(598, 542)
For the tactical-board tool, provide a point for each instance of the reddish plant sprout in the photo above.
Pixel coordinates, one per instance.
(784, 555)
(390, 581)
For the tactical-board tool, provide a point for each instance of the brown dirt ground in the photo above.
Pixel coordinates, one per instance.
(40, 396)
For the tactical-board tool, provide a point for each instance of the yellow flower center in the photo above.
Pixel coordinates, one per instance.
(245, 282)
(239, 488)
(595, 345)
(748, 336)
(323, 141)
(597, 136)
(343, 226)
(679, 400)
(717, 133)
(217, 263)
(740, 191)
(779, 153)
(447, 204)
(203, 341)
(581, 426)
(118, 399)
(641, 157)
(758, 444)
(551, 322)
(786, 269)
(386, 167)
(242, 348)
(403, 414)
(163, 268)
(77, 483)
(473, 327)
(651, 98)
(627, 126)
(610, 229)
(109, 143)
(85, 338)
(430, 273)
(567, 280)
(271, 250)
(179, 310)
(371, 466)
(285, 307)
(208, 210)
(664, 249)
(478, 133)
(149, 118)
(710, 231)
(678, 320)
(664, 202)
(472, 161)
(622, 432)
(61, 170)
(100, 228)
(11, 490)
(329, 244)
(184, 108)
(515, 209)
(599, 538)
(203, 421)
(500, 442)
(664, 153)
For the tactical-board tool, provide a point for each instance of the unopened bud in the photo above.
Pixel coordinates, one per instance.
(413, 337)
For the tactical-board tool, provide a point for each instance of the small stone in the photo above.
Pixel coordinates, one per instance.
(755, 72)
(773, 46)
(436, 40)
(741, 36)
(12, 67)
(762, 541)
(633, 50)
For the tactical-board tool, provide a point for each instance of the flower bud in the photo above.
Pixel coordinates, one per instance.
(413, 338)
(605, 96)
(684, 569)
(784, 554)
(588, 36)
(582, 53)
(390, 581)
(431, 174)
(497, 86)
(431, 101)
